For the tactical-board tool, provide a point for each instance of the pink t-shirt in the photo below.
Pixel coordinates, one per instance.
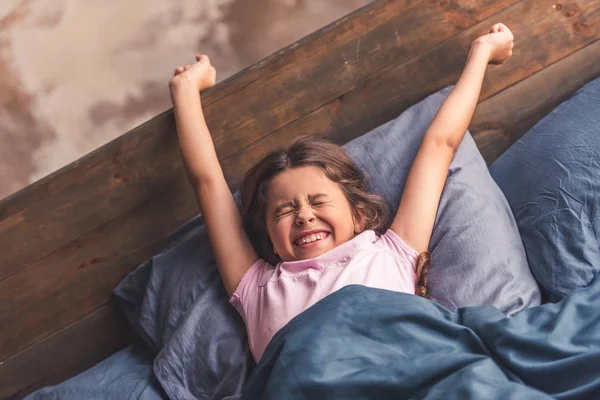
(268, 297)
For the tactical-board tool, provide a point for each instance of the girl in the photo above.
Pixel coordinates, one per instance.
(308, 226)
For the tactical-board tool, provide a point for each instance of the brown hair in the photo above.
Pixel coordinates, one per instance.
(423, 263)
(369, 208)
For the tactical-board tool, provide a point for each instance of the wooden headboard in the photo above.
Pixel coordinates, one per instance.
(67, 240)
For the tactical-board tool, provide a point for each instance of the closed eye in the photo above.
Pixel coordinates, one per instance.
(284, 213)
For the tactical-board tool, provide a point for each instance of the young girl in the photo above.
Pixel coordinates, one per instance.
(308, 226)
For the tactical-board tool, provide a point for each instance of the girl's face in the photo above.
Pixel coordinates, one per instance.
(307, 214)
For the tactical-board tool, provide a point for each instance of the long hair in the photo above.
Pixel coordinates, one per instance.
(369, 208)
(423, 264)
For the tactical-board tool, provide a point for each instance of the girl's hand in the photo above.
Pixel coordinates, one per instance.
(201, 73)
(500, 41)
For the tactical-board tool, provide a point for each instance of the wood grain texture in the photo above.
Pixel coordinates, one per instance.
(502, 119)
(78, 278)
(376, 101)
(59, 357)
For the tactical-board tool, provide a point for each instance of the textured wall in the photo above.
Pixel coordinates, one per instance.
(76, 74)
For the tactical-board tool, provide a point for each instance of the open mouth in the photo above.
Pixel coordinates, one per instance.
(312, 239)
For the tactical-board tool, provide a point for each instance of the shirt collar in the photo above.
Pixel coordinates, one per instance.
(340, 254)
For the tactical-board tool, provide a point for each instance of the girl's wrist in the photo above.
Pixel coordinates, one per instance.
(183, 90)
(181, 83)
(480, 48)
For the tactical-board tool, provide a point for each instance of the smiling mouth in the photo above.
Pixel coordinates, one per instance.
(311, 239)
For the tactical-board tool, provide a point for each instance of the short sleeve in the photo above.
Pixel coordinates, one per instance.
(394, 243)
(248, 286)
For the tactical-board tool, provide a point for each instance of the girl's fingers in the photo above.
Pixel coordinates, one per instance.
(202, 58)
(199, 58)
(499, 27)
(503, 28)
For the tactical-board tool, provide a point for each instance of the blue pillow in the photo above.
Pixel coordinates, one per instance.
(178, 304)
(477, 255)
(551, 178)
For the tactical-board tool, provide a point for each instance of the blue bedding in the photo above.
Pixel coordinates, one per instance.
(126, 374)
(364, 343)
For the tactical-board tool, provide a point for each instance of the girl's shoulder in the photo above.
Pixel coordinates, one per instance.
(257, 275)
(391, 241)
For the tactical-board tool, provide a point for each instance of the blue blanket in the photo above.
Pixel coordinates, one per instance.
(364, 343)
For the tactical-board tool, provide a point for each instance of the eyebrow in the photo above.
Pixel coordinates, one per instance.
(283, 205)
(311, 197)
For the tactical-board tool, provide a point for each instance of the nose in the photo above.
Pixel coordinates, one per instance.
(304, 215)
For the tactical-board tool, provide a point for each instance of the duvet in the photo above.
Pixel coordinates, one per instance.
(365, 343)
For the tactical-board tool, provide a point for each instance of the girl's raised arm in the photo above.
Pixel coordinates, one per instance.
(233, 251)
(419, 203)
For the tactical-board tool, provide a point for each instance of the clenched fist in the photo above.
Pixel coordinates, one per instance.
(500, 41)
(201, 73)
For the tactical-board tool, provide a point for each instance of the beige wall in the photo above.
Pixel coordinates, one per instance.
(76, 74)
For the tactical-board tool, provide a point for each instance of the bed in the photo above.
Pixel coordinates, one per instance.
(69, 239)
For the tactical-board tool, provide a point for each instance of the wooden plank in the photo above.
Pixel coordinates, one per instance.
(502, 119)
(64, 354)
(48, 302)
(78, 278)
(378, 100)
(118, 177)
